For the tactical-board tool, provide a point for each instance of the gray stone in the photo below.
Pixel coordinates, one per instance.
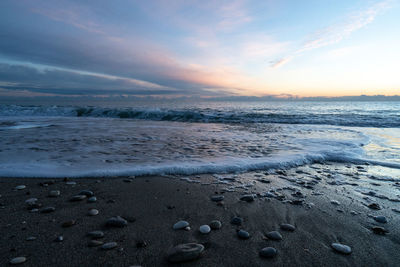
(96, 234)
(54, 193)
(242, 234)
(93, 212)
(288, 227)
(86, 193)
(78, 198)
(59, 238)
(116, 221)
(217, 198)
(47, 209)
(185, 252)
(215, 225)
(31, 201)
(68, 223)
(335, 202)
(180, 225)
(30, 238)
(237, 221)
(95, 243)
(268, 252)
(20, 187)
(274, 235)
(247, 198)
(205, 229)
(343, 249)
(92, 199)
(380, 219)
(70, 183)
(109, 245)
(17, 260)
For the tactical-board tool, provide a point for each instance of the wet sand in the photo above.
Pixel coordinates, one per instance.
(152, 205)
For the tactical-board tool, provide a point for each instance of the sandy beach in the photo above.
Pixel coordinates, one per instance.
(321, 211)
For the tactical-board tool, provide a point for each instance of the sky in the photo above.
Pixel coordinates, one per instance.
(199, 48)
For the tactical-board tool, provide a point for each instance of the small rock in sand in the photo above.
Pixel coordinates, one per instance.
(96, 234)
(109, 245)
(116, 221)
(93, 212)
(268, 252)
(335, 202)
(374, 206)
(95, 243)
(47, 209)
(185, 252)
(31, 201)
(68, 223)
(242, 234)
(274, 235)
(86, 193)
(205, 229)
(92, 199)
(380, 219)
(59, 238)
(344, 249)
(215, 225)
(180, 225)
(70, 183)
(54, 193)
(20, 187)
(237, 221)
(78, 198)
(247, 198)
(18, 260)
(379, 230)
(288, 227)
(217, 198)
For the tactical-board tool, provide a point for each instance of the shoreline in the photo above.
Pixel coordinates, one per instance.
(152, 205)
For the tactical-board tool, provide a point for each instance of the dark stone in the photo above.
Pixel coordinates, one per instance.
(185, 252)
(268, 252)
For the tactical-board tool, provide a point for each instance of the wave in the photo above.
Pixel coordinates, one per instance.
(376, 119)
(238, 165)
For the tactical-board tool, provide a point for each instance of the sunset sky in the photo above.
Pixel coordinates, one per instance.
(199, 48)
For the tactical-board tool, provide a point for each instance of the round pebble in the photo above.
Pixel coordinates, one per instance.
(274, 235)
(86, 193)
(180, 225)
(205, 229)
(215, 225)
(96, 234)
(78, 198)
(288, 227)
(185, 252)
(54, 193)
(237, 221)
(18, 260)
(92, 199)
(242, 234)
(68, 223)
(217, 198)
(268, 252)
(380, 219)
(116, 221)
(344, 249)
(93, 212)
(95, 243)
(20, 187)
(109, 245)
(30, 238)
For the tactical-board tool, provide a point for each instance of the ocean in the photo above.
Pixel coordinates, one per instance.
(194, 137)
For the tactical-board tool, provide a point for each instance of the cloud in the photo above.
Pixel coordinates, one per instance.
(336, 33)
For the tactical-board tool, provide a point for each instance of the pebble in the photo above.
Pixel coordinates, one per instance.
(30, 238)
(379, 230)
(217, 198)
(95, 243)
(86, 193)
(205, 229)
(109, 245)
(344, 249)
(70, 183)
(93, 212)
(247, 198)
(268, 252)
(237, 221)
(96, 234)
(31, 201)
(374, 206)
(116, 221)
(78, 198)
(215, 225)
(185, 252)
(68, 223)
(47, 209)
(274, 235)
(18, 260)
(54, 193)
(180, 225)
(59, 238)
(288, 227)
(335, 202)
(92, 199)
(20, 187)
(242, 234)
(380, 219)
